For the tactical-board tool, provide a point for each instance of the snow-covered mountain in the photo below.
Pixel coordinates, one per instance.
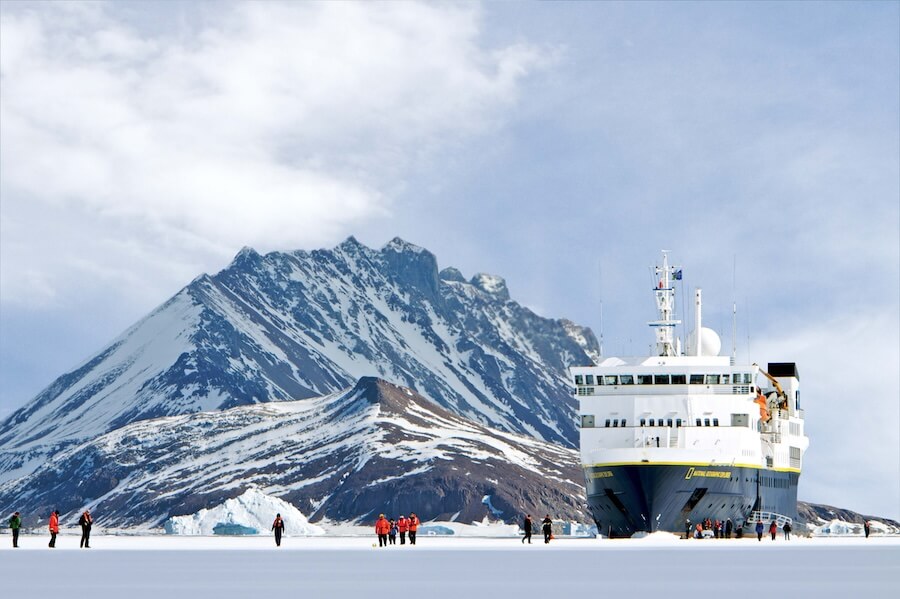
(346, 456)
(289, 326)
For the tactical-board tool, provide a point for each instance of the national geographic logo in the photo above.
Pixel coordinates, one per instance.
(694, 473)
(603, 474)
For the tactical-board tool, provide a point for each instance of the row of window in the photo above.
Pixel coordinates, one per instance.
(664, 379)
(615, 422)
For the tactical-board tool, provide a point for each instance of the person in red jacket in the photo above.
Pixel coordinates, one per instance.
(773, 529)
(413, 525)
(54, 527)
(382, 528)
(402, 528)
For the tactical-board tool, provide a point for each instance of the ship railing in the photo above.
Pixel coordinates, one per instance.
(767, 517)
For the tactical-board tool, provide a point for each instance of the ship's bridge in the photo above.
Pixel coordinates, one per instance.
(701, 409)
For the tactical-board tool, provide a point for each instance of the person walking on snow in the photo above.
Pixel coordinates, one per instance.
(787, 531)
(773, 529)
(759, 530)
(14, 524)
(402, 528)
(413, 526)
(382, 527)
(85, 522)
(526, 526)
(54, 528)
(278, 527)
(547, 528)
(392, 533)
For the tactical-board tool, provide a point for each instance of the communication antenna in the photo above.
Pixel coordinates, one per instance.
(747, 310)
(600, 282)
(734, 311)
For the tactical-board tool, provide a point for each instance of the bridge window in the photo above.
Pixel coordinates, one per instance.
(696, 379)
(645, 379)
(615, 423)
(725, 379)
(589, 379)
(607, 422)
(698, 422)
(669, 423)
(579, 380)
(712, 379)
(626, 379)
(587, 421)
(715, 422)
(678, 422)
(661, 379)
(679, 379)
(652, 422)
(643, 422)
(706, 422)
(624, 422)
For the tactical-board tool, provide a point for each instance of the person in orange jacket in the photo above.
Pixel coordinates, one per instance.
(54, 527)
(382, 528)
(413, 525)
(402, 528)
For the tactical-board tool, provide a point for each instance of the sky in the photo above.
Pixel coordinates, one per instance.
(561, 146)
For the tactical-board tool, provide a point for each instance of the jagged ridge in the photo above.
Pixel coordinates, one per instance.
(375, 448)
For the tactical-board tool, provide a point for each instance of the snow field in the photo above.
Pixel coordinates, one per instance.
(446, 567)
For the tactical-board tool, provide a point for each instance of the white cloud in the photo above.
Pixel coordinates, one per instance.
(849, 391)
(263, 124)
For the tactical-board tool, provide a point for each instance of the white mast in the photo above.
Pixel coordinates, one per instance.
(665, 304)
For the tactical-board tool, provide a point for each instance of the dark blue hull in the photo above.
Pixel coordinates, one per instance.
(625, 499)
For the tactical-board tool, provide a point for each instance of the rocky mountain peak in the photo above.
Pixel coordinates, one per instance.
(491, 284)
(452, 274)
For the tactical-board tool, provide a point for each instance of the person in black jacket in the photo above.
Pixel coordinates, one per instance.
(85, 522)
(547, 528)
(278, 527)
(526, 526)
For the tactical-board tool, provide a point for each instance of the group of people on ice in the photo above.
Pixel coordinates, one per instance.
(773, 530)
(546, 528)
(711, 528)
(388, 530)
(86, 521)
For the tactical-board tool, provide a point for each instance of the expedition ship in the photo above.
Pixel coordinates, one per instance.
(682, 436)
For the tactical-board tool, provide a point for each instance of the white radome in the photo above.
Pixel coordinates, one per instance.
(711, 344)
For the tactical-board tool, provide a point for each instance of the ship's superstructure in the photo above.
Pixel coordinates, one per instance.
(684, 436)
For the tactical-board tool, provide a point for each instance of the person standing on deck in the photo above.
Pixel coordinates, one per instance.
(85, 522)
(278, 527)
(15, 522)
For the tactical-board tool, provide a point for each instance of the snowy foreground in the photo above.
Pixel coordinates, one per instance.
(658, 565)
